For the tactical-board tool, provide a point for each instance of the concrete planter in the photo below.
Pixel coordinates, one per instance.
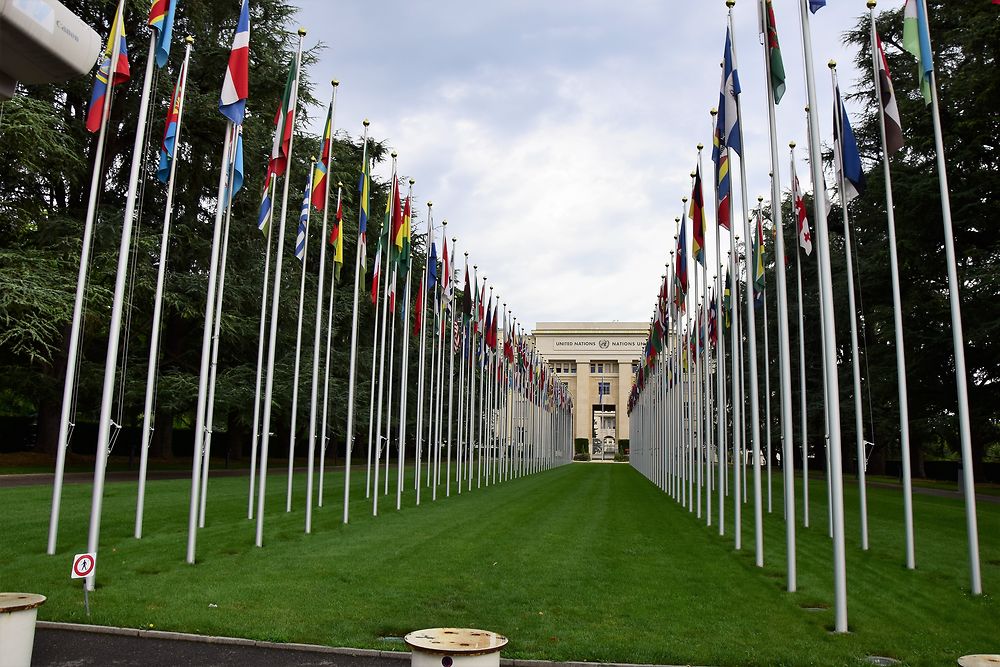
(18, 612)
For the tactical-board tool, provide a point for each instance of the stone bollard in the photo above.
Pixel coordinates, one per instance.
(455, 647)
(18, 612)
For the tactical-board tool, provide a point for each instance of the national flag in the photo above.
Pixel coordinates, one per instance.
(235, 85)
(284, 123)
(432, 259)
(418, 310)
(759, 280)
(376, 273)
(777, 66)
(713, 321)
(698, 219)
(337, 239)
(681, 273)
(917, 40)
(116, 43)
(403, 239)
(396, 233)
(322, 167)
(383, 246)
(728, 120)
(845, 152)
(168, 145)
(816, 5)
(467, 297)
(161, 19)
(890, 111)
(727, 303)
(238, 173)
(265, 210)
(364, 190)
(480, 323)
(300, 236)
(799, 210)
(448, 289)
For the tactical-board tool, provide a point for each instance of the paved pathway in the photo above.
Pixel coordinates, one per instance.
(76, 645)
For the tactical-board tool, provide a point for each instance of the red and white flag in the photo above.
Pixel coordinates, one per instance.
(799, 207)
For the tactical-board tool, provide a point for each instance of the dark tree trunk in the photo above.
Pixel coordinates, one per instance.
(161, 446)
(48, 427)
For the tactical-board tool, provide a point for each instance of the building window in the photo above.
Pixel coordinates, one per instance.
(635, 368)
(593, 367)
(603, 388)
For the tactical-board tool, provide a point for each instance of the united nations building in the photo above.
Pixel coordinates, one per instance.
(598, 362)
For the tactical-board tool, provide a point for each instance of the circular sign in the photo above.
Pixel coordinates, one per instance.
(604, 344)
(83, 565)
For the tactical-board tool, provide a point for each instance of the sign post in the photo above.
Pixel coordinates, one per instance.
(83, 567)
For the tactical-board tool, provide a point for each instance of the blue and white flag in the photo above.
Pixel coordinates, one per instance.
(728, 122)
(300, 237)
(816, 5)
(845, 152)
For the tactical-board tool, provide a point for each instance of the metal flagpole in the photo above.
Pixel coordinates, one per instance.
(216, 329)
(852, 309)
(275, 296)
(161, 271)
(206, 351)
(829, 339)
(324, 421)
(358, 260)
(422, 359)
(392, 363)
(803, 414)
(897, 306)
(117, 304)
(384, 288)
(958, 340)
(298, 343)
(260, 364)
(318, 326)
(767, 374)
(451, 377)
(73, 353)
(720, 354)
(751, 332)
(784, 347)
(404, 380)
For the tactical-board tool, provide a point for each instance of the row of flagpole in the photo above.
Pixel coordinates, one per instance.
(511, 416)
(671, 406)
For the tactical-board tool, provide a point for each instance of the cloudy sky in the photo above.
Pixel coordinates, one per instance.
(557, 138)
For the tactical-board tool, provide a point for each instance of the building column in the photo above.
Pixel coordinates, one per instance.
(621, 410)
(584, 427)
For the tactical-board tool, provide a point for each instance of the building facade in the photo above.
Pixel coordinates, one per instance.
(598, 362)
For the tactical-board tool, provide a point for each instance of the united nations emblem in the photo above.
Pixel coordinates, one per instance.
(604, 344)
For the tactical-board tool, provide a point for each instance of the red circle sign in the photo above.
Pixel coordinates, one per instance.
(83, 565)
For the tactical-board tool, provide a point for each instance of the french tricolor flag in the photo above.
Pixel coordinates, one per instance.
(233, 103)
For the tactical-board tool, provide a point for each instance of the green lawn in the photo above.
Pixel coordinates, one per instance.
(586, 562)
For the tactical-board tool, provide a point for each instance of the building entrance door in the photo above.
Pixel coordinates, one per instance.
(604, 444)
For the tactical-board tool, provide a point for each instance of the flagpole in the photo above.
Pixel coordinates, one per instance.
(897, 309)
(390, 285)
(720, 352)
(767, 361)
(324, 421)
(318, 325)
(852, 309)
(73, 353)
(275, 296)
(384, 288)
(361, 247)
(804, 416)
(117, 304)
(422, 357)
(958, 340)
(161, 271)
(784, 350)
(451, 376)
(260, 363)
(216, 328)
(404, 380)
(829, 339)
(751, 334)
